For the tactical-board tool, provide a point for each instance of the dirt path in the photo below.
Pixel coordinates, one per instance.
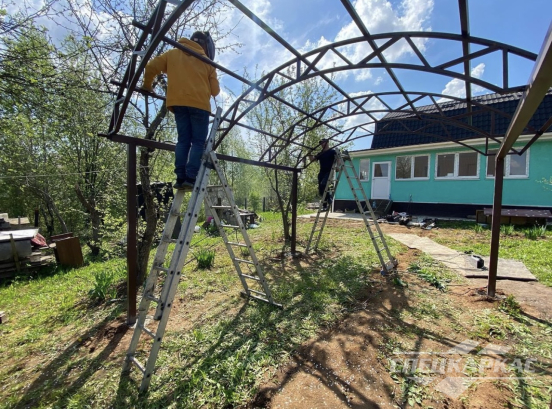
(348, 367)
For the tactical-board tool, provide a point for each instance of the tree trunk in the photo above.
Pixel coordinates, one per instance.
(283, 208)
(94, 243)
(146, 240)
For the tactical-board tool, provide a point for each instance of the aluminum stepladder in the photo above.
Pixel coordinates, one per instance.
(343, 166)
(182, 246)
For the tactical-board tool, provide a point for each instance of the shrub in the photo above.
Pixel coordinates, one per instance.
(205, 258)
(478, 228)
(103, 286)
(507, 229)
(510, 306)
(535, 232)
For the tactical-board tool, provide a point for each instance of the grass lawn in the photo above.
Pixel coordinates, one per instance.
(62, 348)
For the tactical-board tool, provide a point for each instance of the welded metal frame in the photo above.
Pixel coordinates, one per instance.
(304, 66)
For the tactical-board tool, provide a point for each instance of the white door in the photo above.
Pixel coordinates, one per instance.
(381, 180)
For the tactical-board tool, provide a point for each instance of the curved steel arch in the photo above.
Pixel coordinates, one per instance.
(308, 65)
(427, 117)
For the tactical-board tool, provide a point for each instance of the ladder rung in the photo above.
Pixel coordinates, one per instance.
(257, 292)
(241, 260)
(140, 53)
(221, 207)
(152, 298)
(147, 331)
(159, 268)
(133, 359)
(237, 244)
(230, 226)
(260, 299)
(120, 100)
(251, 278)
(167, 240)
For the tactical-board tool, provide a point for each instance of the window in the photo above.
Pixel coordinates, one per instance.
(364, 169)
(381, 170)
(467, 164)
(445, 165)
(463, 165)
(515, 166)
(412, 167)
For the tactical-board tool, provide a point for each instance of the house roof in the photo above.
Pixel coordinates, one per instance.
(491, 113)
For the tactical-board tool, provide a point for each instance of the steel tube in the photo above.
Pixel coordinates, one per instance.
(132, 251)
(495, 229)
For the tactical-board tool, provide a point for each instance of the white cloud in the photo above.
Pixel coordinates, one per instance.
(380, 16)
(357, 120)
(263, 52)
(457, 87)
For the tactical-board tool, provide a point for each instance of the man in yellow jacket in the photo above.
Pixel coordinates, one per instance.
(190, 85)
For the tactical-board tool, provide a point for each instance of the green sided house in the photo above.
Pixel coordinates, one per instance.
(423, 175)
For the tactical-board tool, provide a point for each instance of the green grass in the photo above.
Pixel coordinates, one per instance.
(63, 349)
(218, 362)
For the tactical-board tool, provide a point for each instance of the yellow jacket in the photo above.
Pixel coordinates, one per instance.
(190, 81)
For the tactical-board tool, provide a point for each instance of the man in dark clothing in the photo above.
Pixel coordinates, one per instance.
(326, 159)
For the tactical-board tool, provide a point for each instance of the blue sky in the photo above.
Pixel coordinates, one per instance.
(307, 24)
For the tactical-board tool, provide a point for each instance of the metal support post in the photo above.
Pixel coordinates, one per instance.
(495, 229)
(132, 253)
(294, 189)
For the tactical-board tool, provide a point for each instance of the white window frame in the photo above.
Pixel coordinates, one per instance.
(412, 157)
(367, 173)
(456, 166)
(507, 166)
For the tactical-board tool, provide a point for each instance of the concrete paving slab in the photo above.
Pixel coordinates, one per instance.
(464, 263)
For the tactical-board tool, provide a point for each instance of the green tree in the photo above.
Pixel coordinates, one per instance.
(111, 41)
(277, 119)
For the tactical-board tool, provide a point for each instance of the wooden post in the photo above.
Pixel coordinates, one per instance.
(132, 252)
(495, 227)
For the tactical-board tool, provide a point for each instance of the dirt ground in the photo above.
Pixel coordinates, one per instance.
(344, 367)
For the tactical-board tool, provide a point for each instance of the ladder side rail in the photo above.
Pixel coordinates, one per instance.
(226, 241)
(335, 165)
(151, 282)
(361, 210)
(230, 197)
(179, 258)
(374, 218)
(337, 168)
(174, 275)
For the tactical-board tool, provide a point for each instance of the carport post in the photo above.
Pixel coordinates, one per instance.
(294, 189)
(495, 227)
(132, 253)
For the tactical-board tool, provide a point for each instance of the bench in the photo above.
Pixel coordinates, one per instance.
(515, 216)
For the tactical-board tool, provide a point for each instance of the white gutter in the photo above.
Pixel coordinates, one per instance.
(438, 145)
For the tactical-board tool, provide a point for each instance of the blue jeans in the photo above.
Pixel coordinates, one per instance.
(192, 125)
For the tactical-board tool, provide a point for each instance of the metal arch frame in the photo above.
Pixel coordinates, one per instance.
(234, 114)
(237, 111)
(426, 116)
